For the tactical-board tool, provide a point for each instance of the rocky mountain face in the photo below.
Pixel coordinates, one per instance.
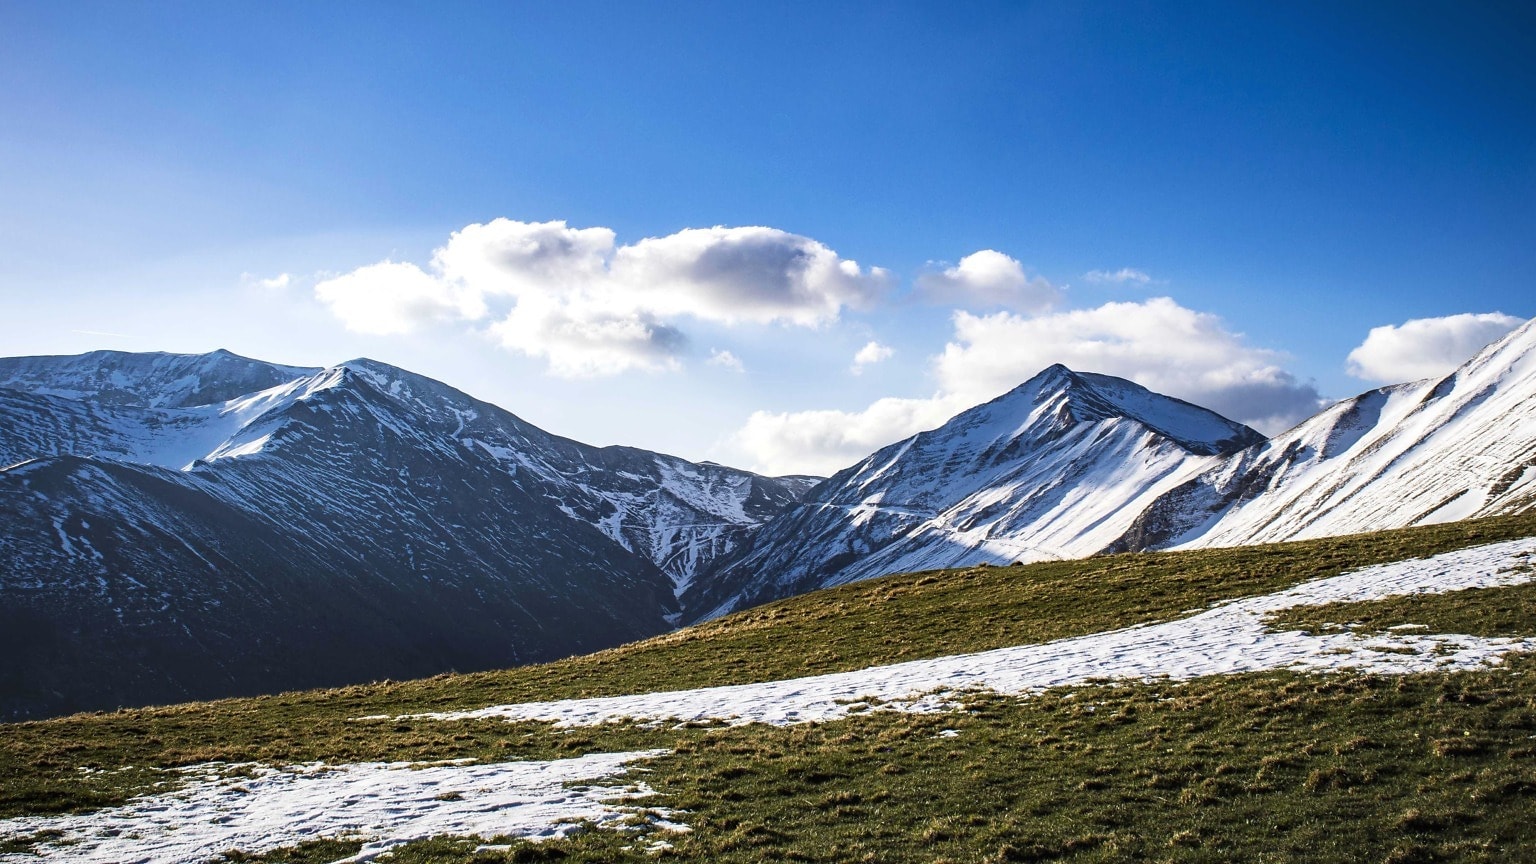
(340, 525)
(1052, 469)
(1429, 451)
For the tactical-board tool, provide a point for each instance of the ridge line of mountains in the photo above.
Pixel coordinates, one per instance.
(181, 527)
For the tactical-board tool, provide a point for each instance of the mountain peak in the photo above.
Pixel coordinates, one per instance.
(1052, 379)
(1050, 469)
(1090, 397)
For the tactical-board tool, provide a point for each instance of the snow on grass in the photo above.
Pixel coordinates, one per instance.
(1227, 639)
(257, 808)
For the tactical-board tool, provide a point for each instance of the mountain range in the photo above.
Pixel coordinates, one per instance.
(339, 525)
(1071, 464)
(191, 526)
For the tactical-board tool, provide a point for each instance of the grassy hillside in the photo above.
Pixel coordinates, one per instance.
(1273, 766)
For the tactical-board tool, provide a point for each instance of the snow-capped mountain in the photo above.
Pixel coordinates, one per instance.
(1429, 451)
(343, 524)
(1052, 469)
(316, 526)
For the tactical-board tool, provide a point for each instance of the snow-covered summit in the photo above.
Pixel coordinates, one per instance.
(1091, 397)
(183, 412)
(1043, 471)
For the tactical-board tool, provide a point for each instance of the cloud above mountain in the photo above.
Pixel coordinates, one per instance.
(1425, 347)
(987, 279)
(873, 352)
(590, 307)
(823, 442)
(1157, 343)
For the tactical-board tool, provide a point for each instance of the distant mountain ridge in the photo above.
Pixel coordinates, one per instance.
(154, 380)
(345, 524)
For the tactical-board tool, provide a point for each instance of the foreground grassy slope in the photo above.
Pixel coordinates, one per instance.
(1255, 767)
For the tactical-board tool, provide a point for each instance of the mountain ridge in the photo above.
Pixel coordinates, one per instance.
(1459, 446)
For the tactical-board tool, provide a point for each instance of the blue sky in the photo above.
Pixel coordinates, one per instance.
(1219, 200)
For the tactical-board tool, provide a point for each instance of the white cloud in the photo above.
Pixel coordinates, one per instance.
(872, 353)
(1157, 343)
(1117, 277)
(987, 279)
(1426, 347)
(726, 359)
(824, 442)
(391, 298)
(735, 275)
(589, 307)
(588, 343)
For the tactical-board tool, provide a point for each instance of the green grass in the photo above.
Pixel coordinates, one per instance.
(1260, 767)
(1266, 767)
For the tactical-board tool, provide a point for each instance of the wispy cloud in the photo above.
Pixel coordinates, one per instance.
(873, 352)
(726, 359)
(280, 282)
(1118, 277)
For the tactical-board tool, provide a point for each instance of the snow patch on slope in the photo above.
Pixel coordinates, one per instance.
(1228, 639)
(384, 804)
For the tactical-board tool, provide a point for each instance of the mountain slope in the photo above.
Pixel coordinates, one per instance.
(1418, 453)
(674, 513)
(1048, 470)
(432, 531)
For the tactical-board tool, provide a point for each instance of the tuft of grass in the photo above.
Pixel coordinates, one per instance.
(313, 852)
(26, 843)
